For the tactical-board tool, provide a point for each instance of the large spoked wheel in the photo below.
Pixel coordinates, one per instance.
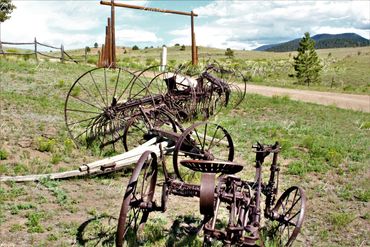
(143, 127)
(289, 213)
(138, 200)
(228, 89)
(96, 107)
(201, 141)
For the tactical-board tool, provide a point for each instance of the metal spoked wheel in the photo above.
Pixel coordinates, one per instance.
(229, 90)
(141, 128)
(96, 107)
(138, 200)
(201, 141)
(289, 213)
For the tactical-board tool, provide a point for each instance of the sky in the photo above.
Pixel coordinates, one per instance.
(221, 23)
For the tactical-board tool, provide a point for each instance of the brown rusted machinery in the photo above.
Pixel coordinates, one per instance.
(201, 152)
(103, 104)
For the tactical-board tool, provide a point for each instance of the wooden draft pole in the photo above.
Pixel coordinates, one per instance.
(194, 51)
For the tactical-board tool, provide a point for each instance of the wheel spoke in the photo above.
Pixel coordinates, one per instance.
(115, 86)
(86, 102)
(76, 110)
(106, 87)
(97, 88)
(91, 97)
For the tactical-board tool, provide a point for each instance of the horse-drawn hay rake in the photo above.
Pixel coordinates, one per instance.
(101, 102)
(149, 107)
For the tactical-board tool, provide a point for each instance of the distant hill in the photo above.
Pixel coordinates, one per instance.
(323, 41)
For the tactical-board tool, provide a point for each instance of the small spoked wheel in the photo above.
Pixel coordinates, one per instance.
(289, 213)
(141, 128)
(138, 200)
(201, 141)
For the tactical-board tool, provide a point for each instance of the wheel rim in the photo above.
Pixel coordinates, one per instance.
(290, 211)
(137, 130)
(92, 112)
(140, 190)
(202, 141)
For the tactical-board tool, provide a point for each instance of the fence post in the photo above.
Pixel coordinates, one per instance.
(62, 53)
(85, 54)
(36, 49)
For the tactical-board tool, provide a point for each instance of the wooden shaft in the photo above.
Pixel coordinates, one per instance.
(109, 47)
(193, 43)
(113, 35)
(147, 8)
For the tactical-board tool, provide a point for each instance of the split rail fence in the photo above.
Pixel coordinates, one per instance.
(64, 56)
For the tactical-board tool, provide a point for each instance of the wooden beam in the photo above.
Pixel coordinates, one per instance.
(123, 5)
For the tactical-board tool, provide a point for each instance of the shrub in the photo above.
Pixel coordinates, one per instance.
(182, 48)
(3, 154)
(45, 145)
(135, 48)
(229, 53)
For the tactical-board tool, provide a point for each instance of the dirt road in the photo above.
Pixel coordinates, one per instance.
(341, 100)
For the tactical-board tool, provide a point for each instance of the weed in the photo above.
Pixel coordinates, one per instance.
(45, 145)
(33, 222)
(60, 84)
(20, 168)
(3, 154)
(52, 237)
(363, 195)
(56, 158)
(52, 186)
(16, 228)
(16, 208)
(68, 146)
(340, 219)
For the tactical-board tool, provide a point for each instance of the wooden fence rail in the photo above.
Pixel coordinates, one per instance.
(63, 55)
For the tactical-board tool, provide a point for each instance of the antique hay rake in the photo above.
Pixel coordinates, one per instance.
(102, 102)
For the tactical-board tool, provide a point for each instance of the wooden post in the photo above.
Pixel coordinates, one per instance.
(102, 56)
(194, 58)
(36, 49)
(109, 44)
(62, 53)
(99, 58)
(113, 35)
(85, 55)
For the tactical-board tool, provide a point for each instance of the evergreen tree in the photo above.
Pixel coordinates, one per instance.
(96, 45)
(229, 53)
(306, 63)
(6, 8)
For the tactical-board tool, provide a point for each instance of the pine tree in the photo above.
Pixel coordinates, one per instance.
(6, 8)
(307, 63)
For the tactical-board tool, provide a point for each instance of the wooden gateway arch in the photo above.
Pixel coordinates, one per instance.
(107, 56)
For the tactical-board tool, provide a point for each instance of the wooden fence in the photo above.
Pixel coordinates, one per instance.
(64, 56)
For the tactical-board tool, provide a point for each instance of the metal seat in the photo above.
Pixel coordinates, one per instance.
(212, 166)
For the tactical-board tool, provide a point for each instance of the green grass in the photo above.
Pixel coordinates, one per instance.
(324, 150)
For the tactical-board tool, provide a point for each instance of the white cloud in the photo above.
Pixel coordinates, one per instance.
(75, 24)
(248, 24)
(136, 35)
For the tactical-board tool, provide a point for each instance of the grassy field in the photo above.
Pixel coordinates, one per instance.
(344, 69)
(325, 151)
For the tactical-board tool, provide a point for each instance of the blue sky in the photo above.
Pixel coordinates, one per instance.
(234, 24)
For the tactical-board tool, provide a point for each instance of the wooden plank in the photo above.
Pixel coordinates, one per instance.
(121, 161)
(147, 8)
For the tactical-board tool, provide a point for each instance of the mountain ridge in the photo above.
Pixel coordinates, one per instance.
(322, 41)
